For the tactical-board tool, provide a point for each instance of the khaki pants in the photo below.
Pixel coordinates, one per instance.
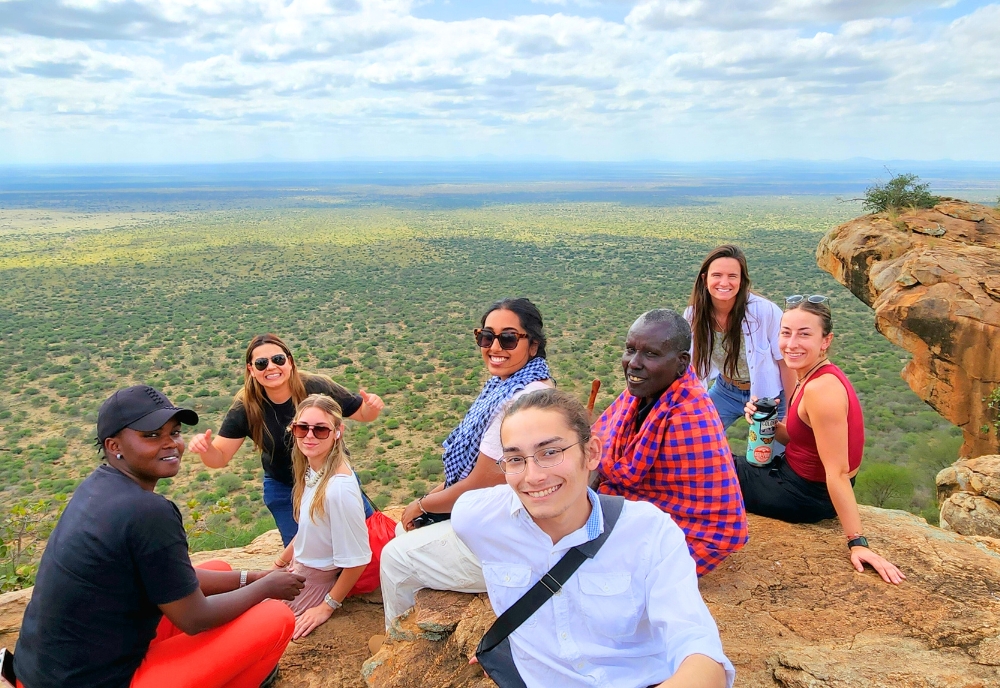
(429, 557)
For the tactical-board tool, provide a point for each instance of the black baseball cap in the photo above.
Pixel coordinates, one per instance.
(140, 408)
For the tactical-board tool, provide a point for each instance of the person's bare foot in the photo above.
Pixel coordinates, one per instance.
(375, 643)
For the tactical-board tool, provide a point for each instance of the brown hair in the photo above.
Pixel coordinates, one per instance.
(820, 310)
(331, 464)
(552, 399)
(703, 315)
(251, 397)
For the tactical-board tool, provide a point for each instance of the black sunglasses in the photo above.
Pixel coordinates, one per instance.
(277, 359)
(799, 298)
(508, 338)
(320, 432)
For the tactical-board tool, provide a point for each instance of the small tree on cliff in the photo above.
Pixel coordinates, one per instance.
(885, 485)
(901, 191)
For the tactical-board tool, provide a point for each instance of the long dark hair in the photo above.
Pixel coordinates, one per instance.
(703, 315)
(251, 397)
(529, 317)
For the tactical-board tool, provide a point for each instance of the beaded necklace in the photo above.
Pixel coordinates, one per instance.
(312, 477)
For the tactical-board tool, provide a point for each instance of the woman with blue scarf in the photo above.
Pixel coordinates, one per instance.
(426, 552)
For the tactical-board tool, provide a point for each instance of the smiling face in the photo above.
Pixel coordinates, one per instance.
(501, 362)
(651, 361)
(274, 377)
(801, 340)
(147, 456)
(556, 497)
(313, 449)
(722, 279)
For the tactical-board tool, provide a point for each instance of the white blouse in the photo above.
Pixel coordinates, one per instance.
(340, 538)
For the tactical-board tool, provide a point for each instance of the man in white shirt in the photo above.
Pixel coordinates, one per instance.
(632, 615)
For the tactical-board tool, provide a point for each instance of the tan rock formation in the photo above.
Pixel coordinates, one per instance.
(969, 495)
(792, 613)
(933, 279)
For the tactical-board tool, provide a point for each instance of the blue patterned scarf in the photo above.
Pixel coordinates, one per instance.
(461, 449)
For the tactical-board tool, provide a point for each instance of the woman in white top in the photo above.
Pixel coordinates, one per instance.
(734, 336)
(331, 547)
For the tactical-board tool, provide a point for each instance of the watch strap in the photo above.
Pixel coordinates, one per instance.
(860, 541)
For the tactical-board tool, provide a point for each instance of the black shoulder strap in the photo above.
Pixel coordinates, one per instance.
(551, 582)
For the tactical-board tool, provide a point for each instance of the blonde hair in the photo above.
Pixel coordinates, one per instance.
(331, 464)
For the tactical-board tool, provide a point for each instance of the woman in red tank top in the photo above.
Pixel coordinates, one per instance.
(823, 437)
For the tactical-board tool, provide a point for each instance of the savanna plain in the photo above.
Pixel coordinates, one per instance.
(382, 296)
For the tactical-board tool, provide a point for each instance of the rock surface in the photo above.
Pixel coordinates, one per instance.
(969, 494)
(933, 279)
(791, 610)
(792, 613)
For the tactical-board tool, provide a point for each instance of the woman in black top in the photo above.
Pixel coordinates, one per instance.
(117, 563)
(273, 386)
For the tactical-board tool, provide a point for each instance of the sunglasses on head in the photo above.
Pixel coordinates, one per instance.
(320, 432)
(262, 362)
(799, 298)
(508, 338)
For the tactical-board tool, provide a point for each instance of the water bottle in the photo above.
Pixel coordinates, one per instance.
(760, 440)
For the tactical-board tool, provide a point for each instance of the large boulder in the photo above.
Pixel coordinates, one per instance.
(792, 613)
(933, 278)
(969, 494)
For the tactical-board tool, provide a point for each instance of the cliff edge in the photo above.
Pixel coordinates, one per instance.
(932, 277)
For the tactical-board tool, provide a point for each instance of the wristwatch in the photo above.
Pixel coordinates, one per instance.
(334, 604)
(859, 541)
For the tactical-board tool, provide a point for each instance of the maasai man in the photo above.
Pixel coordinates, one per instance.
(663, 441)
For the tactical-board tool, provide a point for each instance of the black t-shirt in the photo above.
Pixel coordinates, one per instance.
(276, 458)
(117, 552)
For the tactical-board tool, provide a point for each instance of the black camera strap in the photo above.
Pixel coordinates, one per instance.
(550, 583)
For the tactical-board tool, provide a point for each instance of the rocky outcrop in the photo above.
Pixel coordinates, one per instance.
(969, 495)
(933, 279)
(791, 610)
(792, 613)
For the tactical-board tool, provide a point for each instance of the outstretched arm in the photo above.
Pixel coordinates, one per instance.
(826, 407)
(215, 452)
(371, 407)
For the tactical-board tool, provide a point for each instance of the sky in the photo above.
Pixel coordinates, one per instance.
(162, 81)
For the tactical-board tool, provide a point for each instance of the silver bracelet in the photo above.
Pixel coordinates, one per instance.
(243, 579)
(334, 604)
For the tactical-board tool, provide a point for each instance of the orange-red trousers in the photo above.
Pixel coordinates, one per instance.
(239, 654)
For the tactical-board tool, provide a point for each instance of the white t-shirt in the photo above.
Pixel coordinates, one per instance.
(491, 444)
(340, 539)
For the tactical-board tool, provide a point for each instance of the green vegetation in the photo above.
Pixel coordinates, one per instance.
(993, 404)
(900, 192)
(23, 527)
(383, 298)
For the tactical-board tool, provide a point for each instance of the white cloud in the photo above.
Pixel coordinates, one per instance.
(327, 78)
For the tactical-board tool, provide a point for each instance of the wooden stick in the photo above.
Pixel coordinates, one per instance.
(595, 387)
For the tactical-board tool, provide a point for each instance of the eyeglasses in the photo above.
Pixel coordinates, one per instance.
(508, 338)
(320, 432)
(277, 359)
(543, 458)
(799, 298)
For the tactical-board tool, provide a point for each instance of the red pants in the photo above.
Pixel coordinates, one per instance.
(239, 654)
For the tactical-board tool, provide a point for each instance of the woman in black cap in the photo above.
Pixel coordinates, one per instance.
(116, 600)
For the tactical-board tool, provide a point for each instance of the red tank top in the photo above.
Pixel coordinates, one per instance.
(801, 453)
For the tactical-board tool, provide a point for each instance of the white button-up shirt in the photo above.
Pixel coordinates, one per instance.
(628, 617)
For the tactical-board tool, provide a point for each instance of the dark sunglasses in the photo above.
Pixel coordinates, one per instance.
(320, 432)
(799, 298)
(277, 359)
(508, 338)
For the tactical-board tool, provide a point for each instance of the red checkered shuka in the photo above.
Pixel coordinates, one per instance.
(680, 461)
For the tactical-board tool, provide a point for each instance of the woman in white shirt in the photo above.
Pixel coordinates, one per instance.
(331, 547)
(734, 336)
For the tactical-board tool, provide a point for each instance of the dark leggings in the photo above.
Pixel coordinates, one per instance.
(776, 491)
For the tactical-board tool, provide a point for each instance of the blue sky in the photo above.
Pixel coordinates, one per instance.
(152, 81)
